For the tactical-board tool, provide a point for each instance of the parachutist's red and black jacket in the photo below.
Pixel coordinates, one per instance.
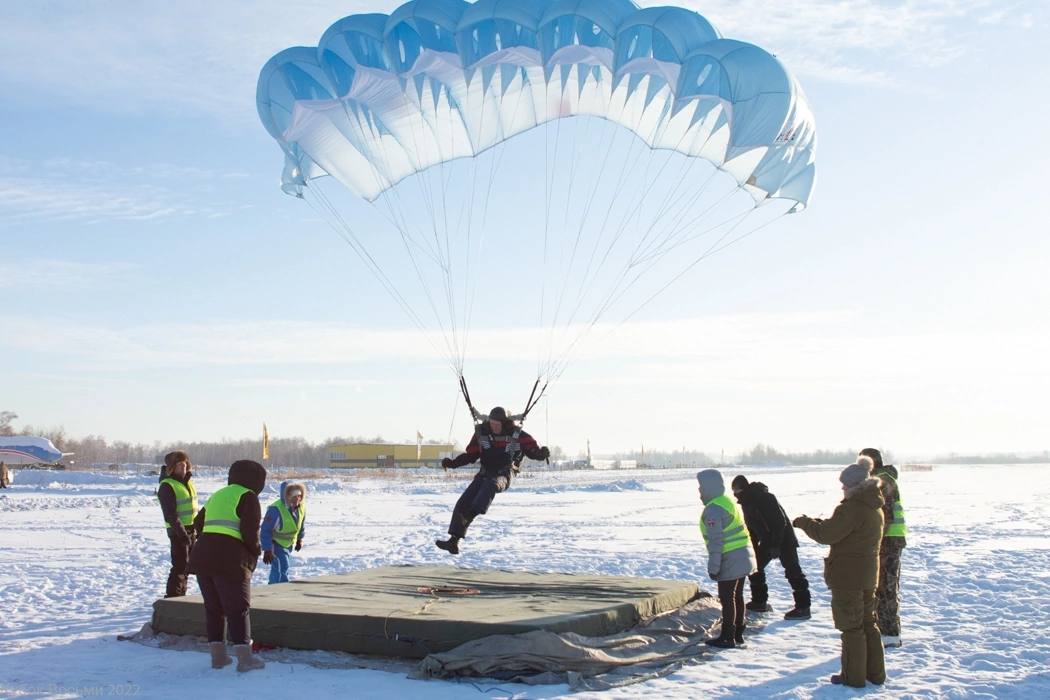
(498, 452)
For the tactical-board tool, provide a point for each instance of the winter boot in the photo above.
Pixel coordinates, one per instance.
(797, 614)
(738, 637)
(245, 660)
(759, 607)
(725, 640)
(891, 641)
(219, 657)
(451, 545)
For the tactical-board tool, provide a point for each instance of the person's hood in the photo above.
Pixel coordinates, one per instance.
(887, 469)
(752, 491)
(249, 474)
(285, 485)
(711, 484)
(867, 492)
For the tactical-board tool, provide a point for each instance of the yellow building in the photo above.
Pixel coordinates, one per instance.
(381, 454)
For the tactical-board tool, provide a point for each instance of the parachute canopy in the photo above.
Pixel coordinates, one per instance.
(383, 97)
(414, 114)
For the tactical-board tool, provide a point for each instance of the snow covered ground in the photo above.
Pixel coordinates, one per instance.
(84, 557)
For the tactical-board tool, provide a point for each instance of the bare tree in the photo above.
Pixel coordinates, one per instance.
(6, 417)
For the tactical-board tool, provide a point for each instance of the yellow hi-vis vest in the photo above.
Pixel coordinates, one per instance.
(289, 530)
(220, 512)
(735, 534)
(185, 500)
(897, 527)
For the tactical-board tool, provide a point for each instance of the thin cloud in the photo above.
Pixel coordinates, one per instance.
(59, 274)
(95, 191)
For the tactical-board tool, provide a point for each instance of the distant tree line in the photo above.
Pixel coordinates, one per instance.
(997, 458)
(294, 452)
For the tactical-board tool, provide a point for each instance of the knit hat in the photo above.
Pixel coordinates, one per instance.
(853, 475)
(498, 413)
(739, 482)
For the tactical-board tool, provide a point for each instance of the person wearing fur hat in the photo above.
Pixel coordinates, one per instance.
(887, 593)
(851, 571)
(500, 444)
(283, 528)
(178, 503)
(729, 555)
(224, 558)
(5, 475)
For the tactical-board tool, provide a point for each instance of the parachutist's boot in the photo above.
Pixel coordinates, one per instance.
(451, 545)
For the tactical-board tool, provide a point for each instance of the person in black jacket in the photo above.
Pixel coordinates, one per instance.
(178, 517)
(224, 558)
(499, 444)
(773, 538)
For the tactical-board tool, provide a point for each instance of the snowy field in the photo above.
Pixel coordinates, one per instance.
(84, 555)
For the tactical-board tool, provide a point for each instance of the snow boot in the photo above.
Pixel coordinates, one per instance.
(891, 641)
(219, 657)
(738, 637)
(246, 661)
(759, 607)
(725, 640)
(797, 614)
(451, 545)
(836, 679)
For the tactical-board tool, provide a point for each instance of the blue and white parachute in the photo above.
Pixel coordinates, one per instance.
(383, 98)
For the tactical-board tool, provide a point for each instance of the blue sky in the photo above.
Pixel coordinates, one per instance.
(156, 285)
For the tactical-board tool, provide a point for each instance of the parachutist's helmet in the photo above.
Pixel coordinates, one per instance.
(498, 413)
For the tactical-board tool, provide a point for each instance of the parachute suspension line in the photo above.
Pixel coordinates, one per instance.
(583, 221)
(496, 160)
(339, 225)
(550, 177)
(716, 247)
(651, 181)
(713, 249)
(426, 188)
(452, 419)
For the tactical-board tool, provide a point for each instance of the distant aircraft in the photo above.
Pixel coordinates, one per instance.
(24, 449)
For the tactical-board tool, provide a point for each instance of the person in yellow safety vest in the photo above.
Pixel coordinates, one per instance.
(730, 557)
(283, 528)
(178, 503)
(224, 558)
(887, 594)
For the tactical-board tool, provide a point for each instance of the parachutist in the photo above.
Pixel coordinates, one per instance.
(500, 444)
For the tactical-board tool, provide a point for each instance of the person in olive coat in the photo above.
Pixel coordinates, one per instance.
(224, 557)
(851, 571)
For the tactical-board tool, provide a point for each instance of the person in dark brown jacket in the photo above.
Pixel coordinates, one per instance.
(851, 571)
(179, 510)
(224, 557)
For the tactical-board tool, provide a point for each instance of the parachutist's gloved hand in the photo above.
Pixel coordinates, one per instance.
(446, 463)
(544, 453)
(298, 545)
(268, 557)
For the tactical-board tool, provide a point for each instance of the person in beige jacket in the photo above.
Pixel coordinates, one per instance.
(851, 571)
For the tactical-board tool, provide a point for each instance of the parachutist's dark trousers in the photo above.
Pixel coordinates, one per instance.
(475, 501)
(793, 573)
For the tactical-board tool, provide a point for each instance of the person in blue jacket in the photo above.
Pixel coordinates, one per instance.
(282, 529)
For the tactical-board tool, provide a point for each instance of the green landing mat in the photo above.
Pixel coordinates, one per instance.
(411, 611)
